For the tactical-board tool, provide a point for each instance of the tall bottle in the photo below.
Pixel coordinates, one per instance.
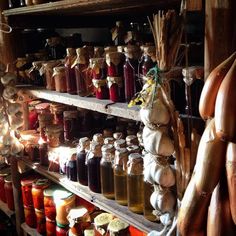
(70, 72)
(135, 183)
(82, 169)
(93, 163)
(120, 175)
(106, 170)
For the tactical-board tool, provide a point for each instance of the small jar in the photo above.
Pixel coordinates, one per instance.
(57, 110)
(64, 201)
(30, 217)
(26, 189)
(118, 227)
(93, 162)
(55, 135)
(59, 76)
(71, 166)
(71, 126)
(106, 170)
(120, 176)
(70, 72)
(149, 61)
(101, 90)
(9, 192)
(82, 170)
(98, 138)
(132, 140)
(37, 192)
(50, 227)
(3, 174)
(101, 223)
(109, 140)
(49, 205)
(41, 221)
(44, 121)
(118, 135)
(62, 230)
(120, 143)
(135, 184)
(114, 61)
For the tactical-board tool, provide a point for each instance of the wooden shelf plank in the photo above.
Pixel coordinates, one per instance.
(88, 7)
(103, 106)
(98, 200)
(6, 210)
(29, 230)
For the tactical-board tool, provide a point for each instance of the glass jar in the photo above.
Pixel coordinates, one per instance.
(135, 184)
(59, 76)
(30, 217)
(82, 151)
(101, 90)
(9, 192)
(64, 201)
(120, 143)
(106, 170)
(118, 227)
(3, 174)
(93, 163)
(62, 230)
(50, 227)
(71, 125)
(55, 135)
(43, 153)
(32, 149)
(120, 176)
(71, 166)
(37, 192)
(101, 222)
(26, 189)
(131, 140)
(41, 221)
(114, 61)
(13, 3)
(35, 75)
(54, 46)
(49, 205)
(21, 66)
(98, 52)
(149, 60)
(83, 82)
(57, 110)
(44, 121)
(132, 82)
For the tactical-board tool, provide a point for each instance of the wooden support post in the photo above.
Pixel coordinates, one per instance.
(220, 32)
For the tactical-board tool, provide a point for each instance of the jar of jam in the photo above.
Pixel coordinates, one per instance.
(120, 176)
(114, 61)
(118, 227)
(135, 184)
(101, 223)
(131, 140)
(64, 201)
(71, 125)
(30, 217)
(70, 72)
(35, 75)
(37, 192)
(49, 205)
(132, 82)
(83, 81)
(59, 76)
(50, 227)
(3, 174)
(41, 221)
(82, 151)
(71, 166)
(32, 149)
(93, 162)
(106, 170)
(9, 192)
(149, 59)
(26, 189)
(33, 115)
(55, 135)
(62, 230)
(57, 110)
(120, 143)
(44, 121)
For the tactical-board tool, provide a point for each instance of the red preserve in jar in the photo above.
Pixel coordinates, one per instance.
(62, 230)
(49, 205)
(41, 221)
(50, 227)
(30, 217)
(37, 192)
(9, 193)
(3, 174)
(26, 189)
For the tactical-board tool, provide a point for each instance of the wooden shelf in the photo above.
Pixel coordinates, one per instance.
(97, 199)
(29, 230)
(91, 7)
(103, 106)
(5, 209)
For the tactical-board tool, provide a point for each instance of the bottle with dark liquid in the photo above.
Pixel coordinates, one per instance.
(120, 176)
(93, 163)
(71, 167)
(82, 170)
(135, 183)
(106, 170)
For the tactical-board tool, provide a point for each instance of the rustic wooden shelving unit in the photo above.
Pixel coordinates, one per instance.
(29, 231)
(6, 210)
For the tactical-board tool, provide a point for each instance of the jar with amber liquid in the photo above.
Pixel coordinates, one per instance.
(135, 184)
(59, 76)
(106, 170)
(120, 176)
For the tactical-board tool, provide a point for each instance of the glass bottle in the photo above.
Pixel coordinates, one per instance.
(106, 170)
(59, 77)
(109, 140)
(118, 33)
(135, 184)
(132, 82)
(149, 59)
(93, 163)
(120, 176)
(70, 72)
(71, 167)
(82, 170)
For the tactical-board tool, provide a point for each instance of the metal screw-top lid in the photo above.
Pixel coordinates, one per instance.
(120, 143)
(109, 140)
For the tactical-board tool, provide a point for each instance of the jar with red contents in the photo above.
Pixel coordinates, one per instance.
(26, 189)
(62, 230)
(83, 82)
(33, 115)
(9, 192)
(49, 205)
(50, 227)
(132, 82)
(71, 125)
(115, 79)
(149, 59)
(41, 221)
(32, 149)
(37, 192)
(98, 67)
(70, 72)
(57, 110)
(30, 217)
(3, 174)
(59, 76)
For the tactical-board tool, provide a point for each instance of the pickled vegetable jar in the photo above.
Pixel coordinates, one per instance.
(49, 205)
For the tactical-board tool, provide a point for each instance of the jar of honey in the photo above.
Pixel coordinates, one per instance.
(9, 193)
(55, 135)
(3, 174)
(120, 175)
(59, 76)
(30, 217)
(37, 192)
(49, 205)
(135, 184)
(101, 89)
(41, 221)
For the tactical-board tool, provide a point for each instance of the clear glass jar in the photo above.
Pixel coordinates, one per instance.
(135, 183)
(41, 221)
(55, 135)
(120, 176)
(71, 125)
(59, 76)
(117, 227)
(26, 189)
(82, 170)
(30, 217)
(106, 170)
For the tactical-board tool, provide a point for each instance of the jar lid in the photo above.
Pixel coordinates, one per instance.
(95, 147)
(120, 143)
(84, 142)
(131, 139)
(109, 140)
(41, 183)
(8, 179)
(71, 51)
(149, 50)
(132, 51)
(103, 219)
(77, 214)
(5, 172)
(54, 128)
(28, 134)
(108, 148)
(134, 156)
(48, 192)
(51, 64)
(61, 194)
(98, 138)
(70, 114)
(117, 225)
(121, 152)
(118, 135)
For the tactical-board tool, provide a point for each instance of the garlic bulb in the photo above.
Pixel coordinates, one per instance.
(13, 108)
(149, 172)
(164, 176)
(156, 115)
(157, 142)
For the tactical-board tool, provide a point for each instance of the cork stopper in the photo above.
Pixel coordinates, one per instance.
(120, 143)
(84, 143)
(95, 148)
(121, 157)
